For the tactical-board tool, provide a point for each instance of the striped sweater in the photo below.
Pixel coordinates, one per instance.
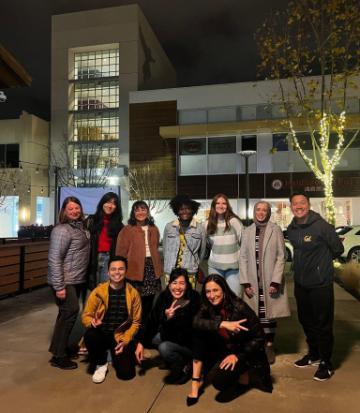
(225, 245)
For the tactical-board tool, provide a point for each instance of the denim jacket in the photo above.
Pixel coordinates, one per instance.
(195, 236)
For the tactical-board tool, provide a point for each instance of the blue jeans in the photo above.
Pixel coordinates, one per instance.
(174, 354)
(231, 276)
(102, 268)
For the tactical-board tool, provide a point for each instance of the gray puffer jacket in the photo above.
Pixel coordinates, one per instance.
(68, 255)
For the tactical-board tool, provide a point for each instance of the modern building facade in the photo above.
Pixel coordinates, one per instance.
(24, 173)
(98, 57)
(214, 124)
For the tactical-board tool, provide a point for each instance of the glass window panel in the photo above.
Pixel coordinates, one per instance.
(223, 164)
(192, 116)
(280, 142)
(223, 144)
(263, 112)
(196, 146)
(248, 143)
(222, 114)
(193, 165)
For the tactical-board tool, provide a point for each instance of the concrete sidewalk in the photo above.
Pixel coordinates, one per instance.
(29, 384)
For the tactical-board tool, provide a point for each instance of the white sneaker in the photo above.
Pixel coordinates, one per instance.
(100, 373)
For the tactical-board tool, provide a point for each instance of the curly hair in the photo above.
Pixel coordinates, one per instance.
(213, 216)
(140, 204)
(179, 200)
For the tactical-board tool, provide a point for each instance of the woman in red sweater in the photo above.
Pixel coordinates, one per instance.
(139, 243)
(104, 227)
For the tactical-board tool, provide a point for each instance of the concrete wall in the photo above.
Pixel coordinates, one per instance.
(155, 68)
(32, 135)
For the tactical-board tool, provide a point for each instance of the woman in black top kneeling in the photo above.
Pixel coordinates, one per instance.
(169, 326)
(228, 344)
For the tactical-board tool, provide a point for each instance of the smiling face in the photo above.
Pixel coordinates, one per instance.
(178, 287)
(185, 213)
(117, 272)
(109, 207)
(214, 293)
(300, 207)
(261, 212)
(72, 211)
(141, 214)
(221, 206)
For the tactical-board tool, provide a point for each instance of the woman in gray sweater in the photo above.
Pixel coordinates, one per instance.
(68, 261)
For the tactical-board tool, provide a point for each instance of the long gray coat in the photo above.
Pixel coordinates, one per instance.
(273, 268)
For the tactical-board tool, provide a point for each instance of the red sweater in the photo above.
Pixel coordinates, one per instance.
(104, 242)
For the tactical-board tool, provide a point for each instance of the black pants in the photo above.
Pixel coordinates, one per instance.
(68, 312)
(210, 349)
(98, 342)
(316, 315)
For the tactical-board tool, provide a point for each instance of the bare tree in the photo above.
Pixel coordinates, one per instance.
(148, 183)
(11, 183)
(312, 50)
(83, 164)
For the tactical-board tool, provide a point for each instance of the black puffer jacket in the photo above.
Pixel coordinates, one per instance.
(315, 244)
(248, 345)
(177, 329)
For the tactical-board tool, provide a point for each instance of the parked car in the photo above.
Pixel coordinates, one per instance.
(350, 237)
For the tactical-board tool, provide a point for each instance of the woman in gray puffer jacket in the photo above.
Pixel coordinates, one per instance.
(68, 261)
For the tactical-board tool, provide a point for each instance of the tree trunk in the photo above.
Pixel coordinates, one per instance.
(329, 198)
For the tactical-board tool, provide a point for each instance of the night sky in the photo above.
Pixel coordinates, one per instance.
(207, 41)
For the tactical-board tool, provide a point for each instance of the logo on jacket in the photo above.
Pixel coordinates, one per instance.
(307, 238)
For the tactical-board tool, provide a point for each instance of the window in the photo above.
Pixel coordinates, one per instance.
(96, 95)
(196, 146)
(225, 144)
(96, 126)
(248, 143)
(9, 155)
(263, 112)
(96, 64)
(280, 142)
(95, 156)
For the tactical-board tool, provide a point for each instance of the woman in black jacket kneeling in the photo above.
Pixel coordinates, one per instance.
(169, 326)
(228, 344)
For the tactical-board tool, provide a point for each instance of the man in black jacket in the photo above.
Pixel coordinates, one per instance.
(315, 244)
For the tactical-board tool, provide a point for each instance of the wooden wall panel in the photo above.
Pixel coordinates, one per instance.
(148, 147)
(23, 266)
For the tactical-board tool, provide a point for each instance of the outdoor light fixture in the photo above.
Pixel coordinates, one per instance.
(247, 154)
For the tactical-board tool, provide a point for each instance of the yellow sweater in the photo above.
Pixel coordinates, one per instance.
(97, 305)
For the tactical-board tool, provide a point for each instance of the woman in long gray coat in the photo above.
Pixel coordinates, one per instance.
(262, 261)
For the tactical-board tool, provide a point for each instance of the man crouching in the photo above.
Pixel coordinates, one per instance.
(112, 316)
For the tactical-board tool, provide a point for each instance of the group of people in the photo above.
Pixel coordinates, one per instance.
(225, 334)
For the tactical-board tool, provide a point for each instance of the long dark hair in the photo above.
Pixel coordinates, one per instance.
(63, 219)
(138, 204)
(230, 299)
(115, 219)
(213, 216)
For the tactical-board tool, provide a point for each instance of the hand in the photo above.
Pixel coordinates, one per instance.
(139, 353)
(170, 312)
(273, 290)
(234, 326)
(249, 291)
(119, 348)
(95, 322)
(61, 294)
(229, 362)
